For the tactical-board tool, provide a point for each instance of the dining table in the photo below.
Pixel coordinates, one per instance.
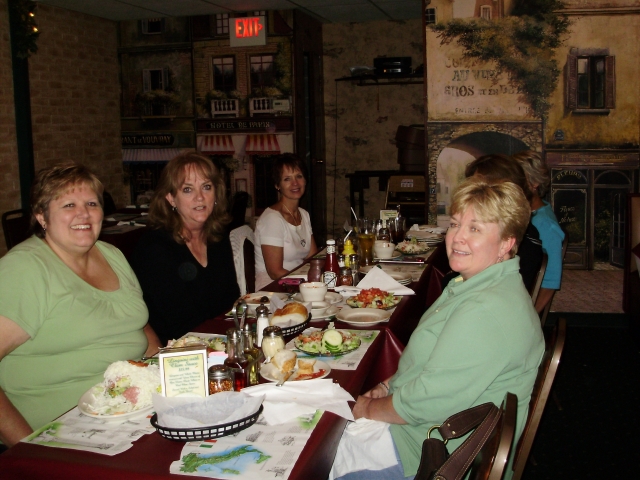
(151, 455)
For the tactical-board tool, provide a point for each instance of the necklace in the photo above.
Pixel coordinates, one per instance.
(293, 216)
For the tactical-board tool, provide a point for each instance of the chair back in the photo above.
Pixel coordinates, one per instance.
(547, 308)
(540, 394)
(491, 462)
(244, 265)
(536, 286)
(16, 227)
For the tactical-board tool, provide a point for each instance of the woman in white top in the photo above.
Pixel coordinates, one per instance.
(284, 238)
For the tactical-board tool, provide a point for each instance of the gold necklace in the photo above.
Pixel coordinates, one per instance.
(293, 216)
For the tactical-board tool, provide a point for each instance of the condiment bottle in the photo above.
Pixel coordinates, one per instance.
(347, 252)
(354, 261)
(315, 270)
(236, 361)
(220, 379)
(383, 233)
(272, 341)
(262, 322)
(346, 277)
(331, 268)
(251, 353)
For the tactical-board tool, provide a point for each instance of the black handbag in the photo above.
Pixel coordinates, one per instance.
(436, 463)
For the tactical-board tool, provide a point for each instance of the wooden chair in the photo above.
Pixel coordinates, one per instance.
(547, 308)
(540, 395)
(16, 227)
(249, 265)
(536, 286)
(491, 462)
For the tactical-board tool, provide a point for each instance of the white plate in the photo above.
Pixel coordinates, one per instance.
(253, 299)
(87, 398)
(332, 310)
(330, 297)
(272, 374)
(363, 316)
(395, 254)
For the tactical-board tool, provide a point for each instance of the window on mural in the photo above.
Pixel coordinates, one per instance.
(485, 12)
(430, 16)
(154, 79)
(224, 74)
(152, 26)
(591, 82)
(222, 24)
(262, 74)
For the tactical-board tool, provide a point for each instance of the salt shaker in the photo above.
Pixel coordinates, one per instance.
(262, 322)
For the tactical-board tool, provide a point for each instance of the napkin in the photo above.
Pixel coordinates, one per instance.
(359, 439)
(293, 399)
(196, 412)
(376, 278)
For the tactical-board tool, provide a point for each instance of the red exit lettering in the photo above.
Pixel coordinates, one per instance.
(248, 27)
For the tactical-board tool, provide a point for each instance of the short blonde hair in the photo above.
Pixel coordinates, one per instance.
(535, 169)
(503, 203)
(161, 214)
(53, 182)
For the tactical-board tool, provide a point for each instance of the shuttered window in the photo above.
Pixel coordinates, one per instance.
(591, 82)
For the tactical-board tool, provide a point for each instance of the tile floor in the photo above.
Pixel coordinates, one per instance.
(590, 291)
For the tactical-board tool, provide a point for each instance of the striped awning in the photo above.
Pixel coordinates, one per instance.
(262, 144)
(215, 144)
(139, 155)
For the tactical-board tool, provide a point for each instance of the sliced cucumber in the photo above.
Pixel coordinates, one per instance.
(332, 339)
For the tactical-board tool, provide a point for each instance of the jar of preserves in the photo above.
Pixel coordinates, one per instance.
(220, 379)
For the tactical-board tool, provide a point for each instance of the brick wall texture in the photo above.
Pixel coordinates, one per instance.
(9, 181)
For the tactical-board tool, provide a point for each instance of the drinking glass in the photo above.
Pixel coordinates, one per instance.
(396, 229)
(366, 238)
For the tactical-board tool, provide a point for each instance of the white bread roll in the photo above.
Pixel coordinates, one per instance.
(284, 360)
(293, 313)
(305, 366)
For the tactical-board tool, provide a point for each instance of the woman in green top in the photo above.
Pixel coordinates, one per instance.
(69, 305)
(478, 341)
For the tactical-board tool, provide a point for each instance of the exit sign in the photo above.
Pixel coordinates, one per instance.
(248, 31)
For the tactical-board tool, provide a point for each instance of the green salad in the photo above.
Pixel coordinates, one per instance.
(329, 342)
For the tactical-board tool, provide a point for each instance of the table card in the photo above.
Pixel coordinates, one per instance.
(183, 371)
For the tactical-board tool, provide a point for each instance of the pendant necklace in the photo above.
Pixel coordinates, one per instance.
(303, 242)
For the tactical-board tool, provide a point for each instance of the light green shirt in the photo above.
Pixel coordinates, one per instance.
(478, 341)
(76, 330)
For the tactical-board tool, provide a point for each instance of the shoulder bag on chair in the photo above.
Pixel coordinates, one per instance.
(436, 463)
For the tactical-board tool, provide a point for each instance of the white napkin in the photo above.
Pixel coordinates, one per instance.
(293, 399)
(365, 445)
(376, 278)
(195, 412)
(277, 303)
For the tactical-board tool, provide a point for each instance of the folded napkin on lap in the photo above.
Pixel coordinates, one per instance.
(376, 278)
(293, 399)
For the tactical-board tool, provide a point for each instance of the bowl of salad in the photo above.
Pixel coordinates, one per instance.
(327, 343)
(374, 298)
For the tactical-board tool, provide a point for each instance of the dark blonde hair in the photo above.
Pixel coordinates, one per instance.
(497, 167)
(53, 182)
(535, 169)
(161, 214)
(503, 203)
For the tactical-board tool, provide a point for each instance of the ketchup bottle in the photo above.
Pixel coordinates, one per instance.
(331, 270)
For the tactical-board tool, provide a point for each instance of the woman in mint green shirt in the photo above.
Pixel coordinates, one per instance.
(69, 305)
(478, 341)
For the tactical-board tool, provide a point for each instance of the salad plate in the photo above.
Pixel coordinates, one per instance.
(330, 312)
(374, 298)
(411, 248)
(269, 372)
(363, 317)
(312, 344)
(253, 299)
(87, 399)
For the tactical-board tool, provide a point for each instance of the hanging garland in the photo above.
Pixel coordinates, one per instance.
(522, 44)
(24, 29)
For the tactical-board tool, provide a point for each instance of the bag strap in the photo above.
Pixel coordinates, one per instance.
(463, 422)
(460, 460)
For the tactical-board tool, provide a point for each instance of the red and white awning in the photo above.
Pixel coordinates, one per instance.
(215, 144)
(262, 144)
(137, 155)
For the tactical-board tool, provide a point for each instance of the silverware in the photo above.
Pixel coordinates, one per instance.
(284, 379)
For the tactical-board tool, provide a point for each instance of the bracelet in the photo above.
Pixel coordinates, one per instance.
(387, 388)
